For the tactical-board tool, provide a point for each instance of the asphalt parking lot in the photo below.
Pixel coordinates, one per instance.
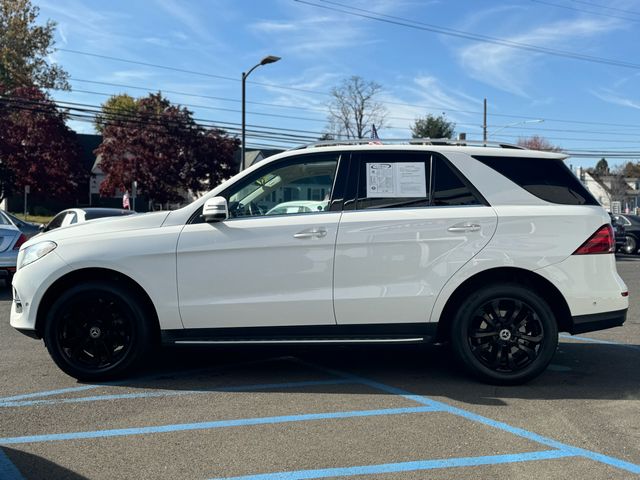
(384, 412)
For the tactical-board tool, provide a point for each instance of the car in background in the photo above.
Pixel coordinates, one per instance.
(631, 225)
(300, 206)
(80, 215)
(28, 228)
(618, 233)
(11, 238)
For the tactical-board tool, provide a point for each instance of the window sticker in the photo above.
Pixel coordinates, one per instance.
(396, 180)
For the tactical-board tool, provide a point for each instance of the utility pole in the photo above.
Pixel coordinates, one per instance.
(484, 122)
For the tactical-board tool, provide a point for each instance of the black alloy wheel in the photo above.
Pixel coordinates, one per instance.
(505, 334)
(96, 331)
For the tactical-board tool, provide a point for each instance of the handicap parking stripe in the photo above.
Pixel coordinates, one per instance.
(599, 341)
(122, 432)
(405, 466)
(443, 407)
(170, 393)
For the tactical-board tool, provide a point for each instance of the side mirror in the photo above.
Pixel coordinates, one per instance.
(42, 227)
(215, 210)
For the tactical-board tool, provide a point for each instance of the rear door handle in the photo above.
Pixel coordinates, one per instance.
(464, 227)
(319, 232)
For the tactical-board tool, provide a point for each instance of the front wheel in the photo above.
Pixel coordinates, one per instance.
(97, 331)
(505, 334)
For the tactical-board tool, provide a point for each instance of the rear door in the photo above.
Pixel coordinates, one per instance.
(410, 223)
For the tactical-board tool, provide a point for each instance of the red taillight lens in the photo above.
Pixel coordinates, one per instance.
(20, 241)
(600, 242)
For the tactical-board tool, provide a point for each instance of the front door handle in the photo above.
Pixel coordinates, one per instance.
(319, 232)
(464, 227)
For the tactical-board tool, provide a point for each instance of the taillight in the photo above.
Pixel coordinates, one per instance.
(600, 242)
(20, 241)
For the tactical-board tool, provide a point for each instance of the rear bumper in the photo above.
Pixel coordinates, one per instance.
(597, 321)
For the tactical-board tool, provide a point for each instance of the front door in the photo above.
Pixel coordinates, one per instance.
(271, 262)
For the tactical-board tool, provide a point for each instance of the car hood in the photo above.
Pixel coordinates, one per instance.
(102, 225)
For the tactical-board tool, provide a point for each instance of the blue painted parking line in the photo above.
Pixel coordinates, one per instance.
(405, 466)
(123, 432)
(443, 407)
(128, 382)
(597, 340)
(8, 471)
(171, 393)
(49, 393)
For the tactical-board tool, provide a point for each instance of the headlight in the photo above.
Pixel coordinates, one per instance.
(34, 252)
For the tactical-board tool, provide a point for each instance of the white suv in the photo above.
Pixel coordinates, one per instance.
(494, 249)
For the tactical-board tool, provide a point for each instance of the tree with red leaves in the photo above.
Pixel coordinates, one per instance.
(538, 143)
(160, 146)
(36, 147)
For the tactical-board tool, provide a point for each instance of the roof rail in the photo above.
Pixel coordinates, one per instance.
(409, 141)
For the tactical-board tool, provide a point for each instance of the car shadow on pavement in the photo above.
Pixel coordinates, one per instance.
(39, 467)
(578, 371)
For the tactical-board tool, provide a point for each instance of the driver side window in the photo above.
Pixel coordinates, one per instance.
(301, 185)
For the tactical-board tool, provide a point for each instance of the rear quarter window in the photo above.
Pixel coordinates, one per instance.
(548, 179)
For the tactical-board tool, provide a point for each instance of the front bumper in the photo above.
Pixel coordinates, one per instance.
(597, 321)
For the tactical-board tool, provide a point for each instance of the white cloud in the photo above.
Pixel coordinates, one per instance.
(609, 96)
(509, 69)
(425, 95)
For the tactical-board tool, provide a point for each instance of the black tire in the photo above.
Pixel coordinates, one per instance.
(631, 245)
(504, 334)
(97, 331)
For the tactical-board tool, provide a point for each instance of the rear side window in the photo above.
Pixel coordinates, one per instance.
(400, 179)
(547, 179)
(448, 186)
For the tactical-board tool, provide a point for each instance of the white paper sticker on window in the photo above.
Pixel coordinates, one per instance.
(396, 180)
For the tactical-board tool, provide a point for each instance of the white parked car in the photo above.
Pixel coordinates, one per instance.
(494, 249)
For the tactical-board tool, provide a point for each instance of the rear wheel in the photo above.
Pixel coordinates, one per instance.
(505, 334)
(631, 245)
(97, 331)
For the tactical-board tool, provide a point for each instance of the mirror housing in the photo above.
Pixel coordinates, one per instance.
(215, 209)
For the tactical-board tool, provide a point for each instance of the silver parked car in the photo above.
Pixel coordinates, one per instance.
(28, 228)
(11, 238)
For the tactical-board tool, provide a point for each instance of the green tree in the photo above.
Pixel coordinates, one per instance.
(116, 108)
(433, 127)
(25, 48)
(354, 108)
(631, 170)
(602, 167)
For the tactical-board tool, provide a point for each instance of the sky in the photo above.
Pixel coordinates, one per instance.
(567, 70)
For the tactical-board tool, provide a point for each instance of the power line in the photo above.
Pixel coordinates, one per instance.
(131, 120)
(605, 7)
(191, 72)
(404, 22)
(426, 107)
(591, 12)
(88, 112)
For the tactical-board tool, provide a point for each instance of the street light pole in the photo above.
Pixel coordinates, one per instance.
(264, 61)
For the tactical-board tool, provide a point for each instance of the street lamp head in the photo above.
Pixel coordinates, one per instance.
(269, 59)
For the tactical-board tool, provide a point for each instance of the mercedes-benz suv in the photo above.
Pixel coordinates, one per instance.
(494, 249)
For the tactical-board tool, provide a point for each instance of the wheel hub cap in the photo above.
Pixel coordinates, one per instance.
(94, 332)
(505, 334)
